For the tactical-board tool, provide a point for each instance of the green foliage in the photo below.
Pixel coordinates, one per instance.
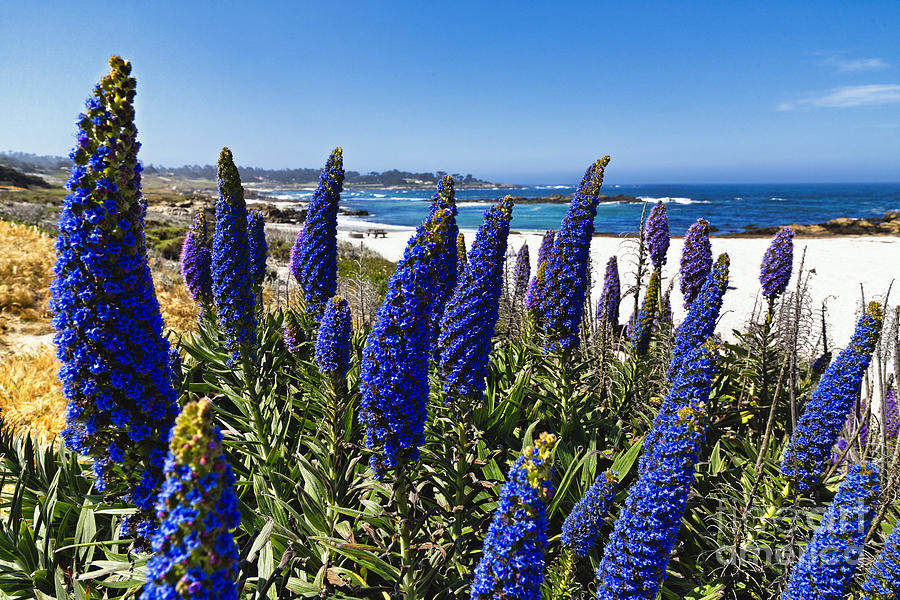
(316, 523)
(166, 240)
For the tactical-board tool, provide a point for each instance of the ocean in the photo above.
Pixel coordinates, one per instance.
(729, 208)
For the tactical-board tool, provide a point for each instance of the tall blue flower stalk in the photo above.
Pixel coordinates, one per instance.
(891, 413)
(582, 527)
(512, 563)
(809, 450)
(295, 261)
(394, 377)
(826, 568)
(196, 260)
(778, 261)
(696, 260)
(522, 273)
(316, 264)
(195, 554)
(232, 270)
(635, 558)
(700, 321)
(535, 286)
(562, 299)
(646, 317)
(471, 315)
(333, 341)
(444, 267)
(115, 362)
(656, 235)
(259, 250)
(611, 296)
(461, 259)
(882, 581)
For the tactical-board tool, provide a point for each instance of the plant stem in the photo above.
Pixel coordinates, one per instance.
(407, 586)
(460, 479)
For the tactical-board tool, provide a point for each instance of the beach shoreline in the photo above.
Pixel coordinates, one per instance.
(840, 270)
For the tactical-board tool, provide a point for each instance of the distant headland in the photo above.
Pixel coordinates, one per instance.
(205, 175)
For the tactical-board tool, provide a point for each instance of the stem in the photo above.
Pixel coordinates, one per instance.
(407, 585)
(460, 479)
(764, 357)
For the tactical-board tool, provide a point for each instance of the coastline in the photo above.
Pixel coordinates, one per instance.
(839, 268)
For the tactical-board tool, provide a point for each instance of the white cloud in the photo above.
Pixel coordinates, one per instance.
(855, 65)
(848, 96)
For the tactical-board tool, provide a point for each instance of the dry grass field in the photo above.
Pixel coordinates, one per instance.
(30, 393)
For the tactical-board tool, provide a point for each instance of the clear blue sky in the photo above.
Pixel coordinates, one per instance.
(512, 91)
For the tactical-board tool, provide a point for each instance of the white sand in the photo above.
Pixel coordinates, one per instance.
(840, 264)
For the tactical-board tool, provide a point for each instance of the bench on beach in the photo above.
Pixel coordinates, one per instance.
(377, 232)
(356, 235)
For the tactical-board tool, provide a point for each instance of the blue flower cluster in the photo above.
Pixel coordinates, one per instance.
(512, 563)
(444, 268)
(696, 260)
(582, 526)
(196, 260)
(565, 285)
(460, 255)
(824, 415)
(259, 249)
(195, 554)
(611, 296)
(468, 325)
(778, 261)
(115, 362)
(700, 321)
(891, 413)
(333, 341)
(295, 262)
(635, 558)
(394, 376)
(231, 266)
(646, 317)
(826, 568)
(656, 235)
(821, 363)
(315, 266)
(883, 579)
(533, 294)
(522, 273)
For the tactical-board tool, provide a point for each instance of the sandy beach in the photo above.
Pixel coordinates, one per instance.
(840, 266)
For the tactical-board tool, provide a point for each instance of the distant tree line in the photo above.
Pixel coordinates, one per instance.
(13, 176)
(34, 162)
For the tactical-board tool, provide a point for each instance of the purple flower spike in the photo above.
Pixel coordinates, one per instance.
(656, 235)
(696, 260)
(777, 264)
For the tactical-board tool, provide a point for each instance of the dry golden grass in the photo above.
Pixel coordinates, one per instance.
(26, 270)
(30, 393)
(179, 311)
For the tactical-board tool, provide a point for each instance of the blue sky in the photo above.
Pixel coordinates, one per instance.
(512, 91)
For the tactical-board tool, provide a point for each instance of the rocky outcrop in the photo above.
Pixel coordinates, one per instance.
(889, 224)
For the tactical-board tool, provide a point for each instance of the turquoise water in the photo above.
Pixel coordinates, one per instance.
(727, 207)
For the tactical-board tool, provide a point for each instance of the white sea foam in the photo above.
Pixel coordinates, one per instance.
(777, 199)
(551, 187)
(667, 199)
(379, 195)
